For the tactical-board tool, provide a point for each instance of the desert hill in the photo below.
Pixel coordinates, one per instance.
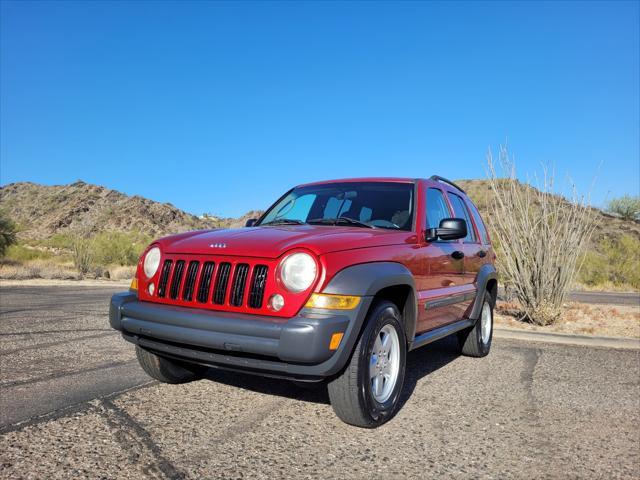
(42, 211)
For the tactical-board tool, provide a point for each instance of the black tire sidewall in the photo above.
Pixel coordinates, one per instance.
(385, 314)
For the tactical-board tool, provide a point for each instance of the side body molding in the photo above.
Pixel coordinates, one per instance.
(367, 279)
(485, 275)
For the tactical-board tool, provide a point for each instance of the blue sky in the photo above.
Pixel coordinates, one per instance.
(221, 107)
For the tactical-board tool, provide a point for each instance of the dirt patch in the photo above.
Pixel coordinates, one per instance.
(579, 318)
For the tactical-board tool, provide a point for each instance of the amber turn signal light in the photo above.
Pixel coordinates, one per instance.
(336, 338)
(134, 284)
(333, 302)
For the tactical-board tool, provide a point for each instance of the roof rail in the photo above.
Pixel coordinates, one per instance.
(438, 178)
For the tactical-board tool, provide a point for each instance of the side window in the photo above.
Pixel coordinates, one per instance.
(461, 212)
(479, 223)
(437, 208)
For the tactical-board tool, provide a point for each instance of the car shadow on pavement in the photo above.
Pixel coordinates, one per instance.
(420, 363)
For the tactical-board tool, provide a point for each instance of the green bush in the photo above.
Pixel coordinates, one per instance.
(617, 262)
(7, 233)
(59, 240)
(117, 248)
(20, 253)
(627, 207)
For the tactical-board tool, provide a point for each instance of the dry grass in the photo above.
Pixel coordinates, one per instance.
(606, 287)
(579, 318)
(53, 270)
(46, 269)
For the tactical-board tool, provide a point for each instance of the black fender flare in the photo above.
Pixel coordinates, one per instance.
(367, 279)
(485, 275)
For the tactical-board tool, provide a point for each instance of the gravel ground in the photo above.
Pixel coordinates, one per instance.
(525, 411)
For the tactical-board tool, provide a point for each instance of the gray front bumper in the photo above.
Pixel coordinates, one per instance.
(298, 347)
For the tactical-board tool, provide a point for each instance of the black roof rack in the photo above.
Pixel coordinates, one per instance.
(438, 178)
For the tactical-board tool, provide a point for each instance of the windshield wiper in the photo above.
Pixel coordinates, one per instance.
(284, 221)
(335, 221)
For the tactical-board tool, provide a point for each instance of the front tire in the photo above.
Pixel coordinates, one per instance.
(165, 370)
(476, 341)
(367, 392)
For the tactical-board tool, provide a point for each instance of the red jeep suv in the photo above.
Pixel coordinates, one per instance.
(335, 283)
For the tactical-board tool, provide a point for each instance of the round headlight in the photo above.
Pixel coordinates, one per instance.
(151, 262)
(298, 271)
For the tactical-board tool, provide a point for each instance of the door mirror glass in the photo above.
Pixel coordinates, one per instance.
(251, 222)
(449, 229)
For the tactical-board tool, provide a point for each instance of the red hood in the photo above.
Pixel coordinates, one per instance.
(271, 242)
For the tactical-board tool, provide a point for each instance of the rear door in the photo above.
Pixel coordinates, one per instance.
(484, 253)
(470, 247)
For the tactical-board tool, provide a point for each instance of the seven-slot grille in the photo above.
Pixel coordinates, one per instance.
(210, 282)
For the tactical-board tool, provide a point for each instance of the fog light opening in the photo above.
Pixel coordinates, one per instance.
(276, 302)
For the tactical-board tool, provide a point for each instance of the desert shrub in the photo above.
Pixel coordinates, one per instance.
(117, 248)
(81, 253)
(7, 233)
(59, 241)
(122, 273)
(21, 253)
(616, 261)
(541, 237)
(627, 207)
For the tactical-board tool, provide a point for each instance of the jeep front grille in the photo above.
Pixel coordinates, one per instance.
(239, 281)
(176, 279)
(222, 279)
(205, 282)
(213, 283)
(191, 280)
(164, 278)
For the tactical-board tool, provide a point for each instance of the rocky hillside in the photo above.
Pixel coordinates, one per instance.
(608, 226)
(42, 211)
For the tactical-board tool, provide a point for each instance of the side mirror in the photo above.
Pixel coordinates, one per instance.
(251, 222)
(449, 229)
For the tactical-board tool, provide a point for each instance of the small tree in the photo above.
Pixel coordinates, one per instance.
(627, 207)
(540, 235)
(7, 233)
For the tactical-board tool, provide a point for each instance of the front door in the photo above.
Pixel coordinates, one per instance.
(441, 291)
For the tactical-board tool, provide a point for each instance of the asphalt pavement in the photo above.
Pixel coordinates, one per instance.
(75, 404)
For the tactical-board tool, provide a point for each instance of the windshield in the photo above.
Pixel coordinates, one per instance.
(356, 204)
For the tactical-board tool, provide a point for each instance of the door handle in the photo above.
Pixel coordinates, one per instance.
(458, 255)
(482, 253)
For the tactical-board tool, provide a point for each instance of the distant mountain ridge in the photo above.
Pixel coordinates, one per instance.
(42, 211)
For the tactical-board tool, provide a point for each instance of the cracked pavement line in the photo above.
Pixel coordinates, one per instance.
(135, 440)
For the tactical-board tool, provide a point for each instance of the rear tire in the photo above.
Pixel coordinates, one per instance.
(367, 392)
(167, 371)
(476, 341)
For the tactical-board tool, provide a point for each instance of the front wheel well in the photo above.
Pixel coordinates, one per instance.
(404, 298)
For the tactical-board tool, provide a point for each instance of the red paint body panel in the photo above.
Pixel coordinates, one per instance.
(436, 274)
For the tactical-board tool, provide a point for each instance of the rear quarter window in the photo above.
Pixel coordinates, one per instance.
(461, 211)
(479, 223)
